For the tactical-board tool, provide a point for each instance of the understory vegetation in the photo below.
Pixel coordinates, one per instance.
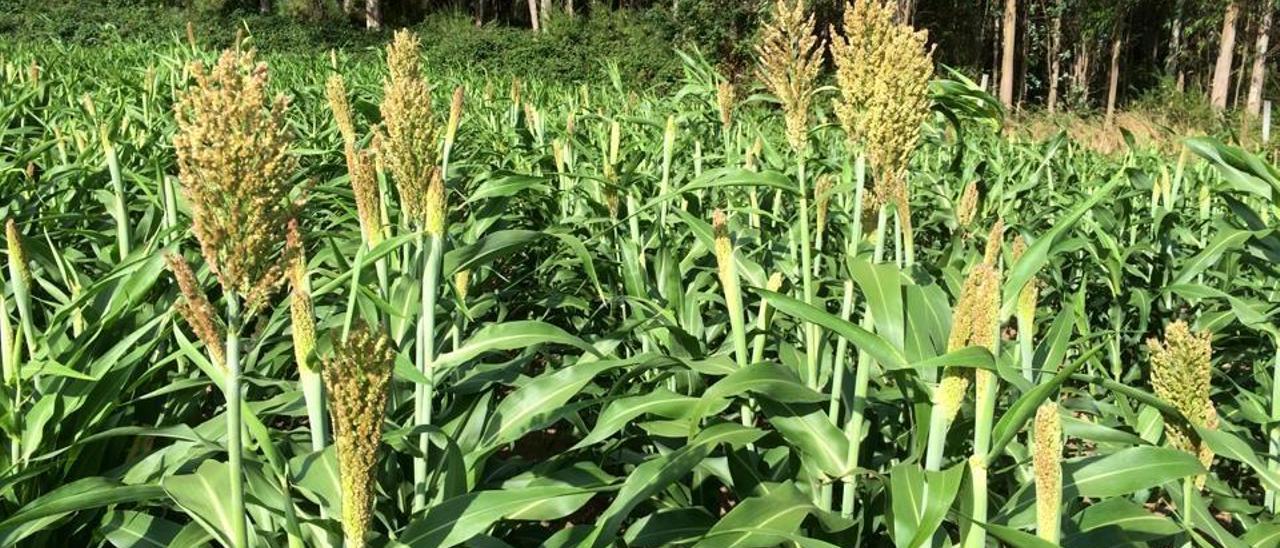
(362, 297)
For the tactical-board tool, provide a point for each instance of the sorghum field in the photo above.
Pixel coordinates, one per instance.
(339, 300)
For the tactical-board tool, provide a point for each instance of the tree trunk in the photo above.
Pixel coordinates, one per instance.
(264, 6)
(1258, 75)
(1226, 46)
(568, 7)
(1175, 42)
(349, 8)
(1009, 26)
(1113, 84)
(533, 16)
(1080, 74)
(906, 11)
(1055, 63)
(544, 11)
(373, 14)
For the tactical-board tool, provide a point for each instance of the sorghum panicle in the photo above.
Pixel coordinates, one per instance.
(301, 310)
(973, 323)
(409, 130)
(1047, 461)
(357, 377)
(236, 172)
(1181, 367)
(196, 310)
(789, 65)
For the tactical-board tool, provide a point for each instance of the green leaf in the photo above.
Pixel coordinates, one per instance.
(82, 494)
(920, 501)
(1127, 471)
(129, 529)
(456, 520)
(206, 497)
(880, 349)
(507, 336)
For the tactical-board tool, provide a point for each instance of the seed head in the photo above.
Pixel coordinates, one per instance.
(883, 70)
(409, 131)
(968, 208)
(336, 92)
(436, 204)
(357, 376)
(725, 98)
(1030, 294)
(724, 248)
(1181, 367)
(364, 184)
(235, 168)
(973, 323)
(995, 238)
(775, 282)
(19, 264)
(455, 117)
(301, 311)
(789, 65)
(196, 310)
(1047, 461)
(462, 283)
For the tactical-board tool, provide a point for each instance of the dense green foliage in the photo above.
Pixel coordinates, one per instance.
(586, 391)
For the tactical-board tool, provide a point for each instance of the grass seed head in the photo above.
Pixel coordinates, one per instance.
(725, 99)
(1047, 462)
(995, 238)
(724, 247)
(19, 263)
(973, 323)
(455, 117)
(301, 309)
(408, 126)
(194, 307)
(436, 206)
(1181, 368)
(364, 184)
(235, 169)
(822, 198)
(789, 65)
(335, 91)
(357, 376)
(462, 283)
(883, 70)
(967, 210)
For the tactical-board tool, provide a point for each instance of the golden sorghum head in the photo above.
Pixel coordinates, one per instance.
(19, 264)
(301, 311)
(726, 95)
(409, 131)
(357, 376)
(883, 70)
(191, 34)
(33, 72)
(1181, 368)
(236, 172)
(995, 238)
(364, 184)
(194, 307)
(822, 199)
(973, 323)
(724, 248)
(455, 117)
(336, 92)
(462, 283)
(436, 205)
(775, 282)
(789, 65)
(967, 209)
(1047, 461)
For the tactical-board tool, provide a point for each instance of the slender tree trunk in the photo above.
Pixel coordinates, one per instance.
(264, 6)
(1172, 58)
(544, 11)
(1055, 63)
(1258, 75)
(533, 15)
(1226, 47)
(906, 10)
(349, 8)
(1009, 26)
(373, 14)
(568, 7)
(1113, 84)
(1080, 74)
(1024, 52)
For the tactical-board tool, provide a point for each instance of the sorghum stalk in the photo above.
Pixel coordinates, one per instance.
(855, 424)
(239, 533)
(789, 66)
(302, 315)
(435, 211)
(763, 317)
(985, 332)
(240, 206)
(1274, 433)
(837, 379)
(728, 273)
(1047, 461)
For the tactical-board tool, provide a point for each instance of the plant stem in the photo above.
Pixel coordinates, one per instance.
(1274, 433)
(238, 533)
(119, 210)
(806, 273)
(425, 393)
